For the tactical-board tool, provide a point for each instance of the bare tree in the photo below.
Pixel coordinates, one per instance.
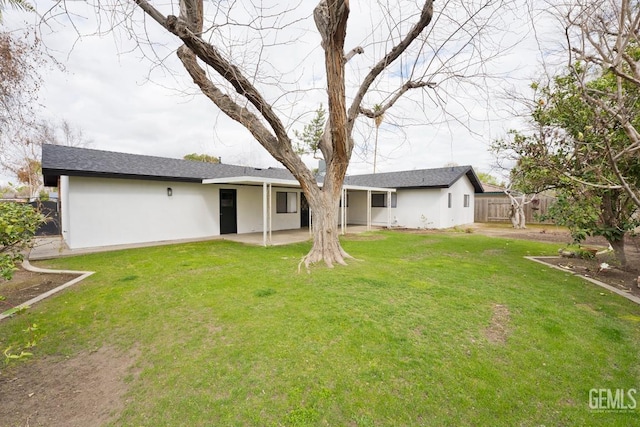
(603, 40)
(516, 212)
(21, 154)
(20, 59)
(416, 49)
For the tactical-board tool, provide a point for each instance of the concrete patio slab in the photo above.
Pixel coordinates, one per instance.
(54, 246)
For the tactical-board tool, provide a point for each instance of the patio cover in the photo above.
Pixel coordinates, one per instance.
(268, 183)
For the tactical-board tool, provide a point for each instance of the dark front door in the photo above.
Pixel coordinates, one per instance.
(228, 217)
(304, 211)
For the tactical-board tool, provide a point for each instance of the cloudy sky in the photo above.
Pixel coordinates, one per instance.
(123, 101)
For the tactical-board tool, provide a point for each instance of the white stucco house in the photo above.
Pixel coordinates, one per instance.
(109, 198)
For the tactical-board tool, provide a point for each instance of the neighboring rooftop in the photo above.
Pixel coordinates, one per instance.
(491, 188)
(60, 160)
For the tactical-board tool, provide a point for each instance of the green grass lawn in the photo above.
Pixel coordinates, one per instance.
(444, 329)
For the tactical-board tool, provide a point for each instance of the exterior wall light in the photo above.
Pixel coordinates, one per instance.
(169, 192)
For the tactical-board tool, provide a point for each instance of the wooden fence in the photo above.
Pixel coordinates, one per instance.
(496, 209)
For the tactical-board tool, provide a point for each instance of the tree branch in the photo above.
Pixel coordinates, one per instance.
(425, 18)
(355, 51)
(591, 184)
(210, 56)
(403, 89)
(621, 178)
(249, 120)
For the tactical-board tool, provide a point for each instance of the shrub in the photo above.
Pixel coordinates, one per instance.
(18, 225)
(585, 253)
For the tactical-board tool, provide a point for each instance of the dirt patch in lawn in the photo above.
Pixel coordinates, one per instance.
(86, 390)
(498, 329)
(26, 285)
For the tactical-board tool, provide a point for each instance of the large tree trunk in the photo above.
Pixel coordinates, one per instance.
(618, 250)
(324, 216)
(610, 215)
(331, 21)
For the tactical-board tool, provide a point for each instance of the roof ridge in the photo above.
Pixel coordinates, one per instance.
(466, 167)
(95, 150)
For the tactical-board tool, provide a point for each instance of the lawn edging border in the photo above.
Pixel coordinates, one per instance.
(539, 259)
(27, 266)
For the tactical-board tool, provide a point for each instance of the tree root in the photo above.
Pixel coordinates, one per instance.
(329, 257)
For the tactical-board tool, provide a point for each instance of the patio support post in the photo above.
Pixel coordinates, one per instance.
(368, 210)
(270, 198)
(342, 210)
(265, 212)
(388, 209)
(346, 208)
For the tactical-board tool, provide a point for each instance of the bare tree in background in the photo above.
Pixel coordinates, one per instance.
(21, 154)
(516, 212)
(20, 60)
(228, 51)
(603, 39)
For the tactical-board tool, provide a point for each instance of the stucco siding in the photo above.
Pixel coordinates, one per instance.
(357, 207)
(63, 191)
(250, 209)
(284, 221)
(458, 214)
(418, 208)
(102, 211)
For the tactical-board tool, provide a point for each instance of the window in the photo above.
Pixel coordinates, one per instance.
(450, 199)
(466, 200)
(286, 202)
(378, 200)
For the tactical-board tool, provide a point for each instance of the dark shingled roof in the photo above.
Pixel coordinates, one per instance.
(60, 160)
(431, 178)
